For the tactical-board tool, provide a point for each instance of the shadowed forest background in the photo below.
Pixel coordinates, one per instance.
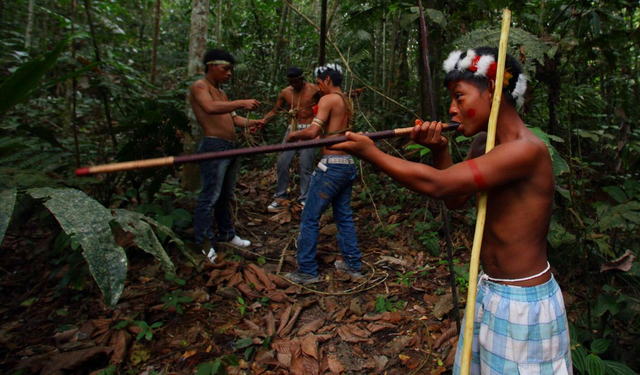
(99, 275)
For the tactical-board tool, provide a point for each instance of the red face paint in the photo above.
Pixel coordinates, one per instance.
(477, 175)
(471, 113)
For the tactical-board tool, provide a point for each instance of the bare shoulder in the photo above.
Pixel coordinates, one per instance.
(199, 85)
(527, 152)
(328, 100)
(286, 93)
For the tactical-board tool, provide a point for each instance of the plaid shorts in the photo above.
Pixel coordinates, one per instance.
(519, 330)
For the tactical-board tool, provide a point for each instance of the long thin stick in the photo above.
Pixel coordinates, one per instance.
(177, 160)
(445, 212)
(482, 201)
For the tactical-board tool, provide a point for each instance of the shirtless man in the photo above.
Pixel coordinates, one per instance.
(297, 100)
(520, 323)
(217, 117)
(331, 182)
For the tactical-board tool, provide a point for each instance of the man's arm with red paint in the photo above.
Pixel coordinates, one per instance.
(504, 164)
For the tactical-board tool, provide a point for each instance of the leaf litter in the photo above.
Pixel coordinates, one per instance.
(241, 306)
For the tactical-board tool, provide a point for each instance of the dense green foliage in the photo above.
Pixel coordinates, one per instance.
(72, 96)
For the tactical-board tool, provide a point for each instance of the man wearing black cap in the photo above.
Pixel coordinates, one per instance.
(296, 101)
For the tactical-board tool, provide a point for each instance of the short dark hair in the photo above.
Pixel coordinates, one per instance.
(334, 71)
(217, 54)
(294, 72)
(513, 92)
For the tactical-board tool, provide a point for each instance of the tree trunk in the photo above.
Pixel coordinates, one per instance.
(377, 35)
(548, 73)
(29, 28)
(277, 66)
(197, 45)
(103, 92)
(74, 88)
(260, 31)
(197, 36)
(427, 94)
(219, 24)
(391, 73)
(156, 33)
(383, 46)
(323, 33)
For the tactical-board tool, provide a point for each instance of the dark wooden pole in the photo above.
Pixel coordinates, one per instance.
(156, 36)
(323, 32)
(194, 158)
(433, 112)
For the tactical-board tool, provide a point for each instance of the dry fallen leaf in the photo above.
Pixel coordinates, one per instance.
(623, 263)
(309, 346)
(443, 306)
(311, 327)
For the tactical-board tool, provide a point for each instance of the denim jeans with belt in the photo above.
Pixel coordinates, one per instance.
(334, 187)
(218, 179)
(306, 166)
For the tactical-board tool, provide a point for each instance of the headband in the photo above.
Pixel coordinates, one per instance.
(218, 62)
(485, 66)
(322, 69)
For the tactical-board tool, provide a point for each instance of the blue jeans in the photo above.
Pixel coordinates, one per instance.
(306, 166)
(331, 187)
(218, 179)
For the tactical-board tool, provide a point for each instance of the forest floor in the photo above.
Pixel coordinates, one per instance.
(239, 313)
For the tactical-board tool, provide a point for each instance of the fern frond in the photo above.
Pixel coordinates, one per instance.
(44, 161)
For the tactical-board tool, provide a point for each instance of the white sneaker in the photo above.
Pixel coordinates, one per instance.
(239, 242)
(274, 206)
(212, 255)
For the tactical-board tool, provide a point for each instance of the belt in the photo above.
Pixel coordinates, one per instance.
(303, 126)
(338, 160)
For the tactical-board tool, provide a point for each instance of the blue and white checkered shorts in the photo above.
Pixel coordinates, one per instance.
(519, 330)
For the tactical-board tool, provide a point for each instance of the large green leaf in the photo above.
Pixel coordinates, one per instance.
(579, 358)
(145, 237)
(595, 366)
(558, 235)
(86, 220)
(7, 203)
(599, 346)
(21, 83)
(617, 368)
(165, 232)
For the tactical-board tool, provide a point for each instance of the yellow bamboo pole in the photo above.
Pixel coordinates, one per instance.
(470, 310)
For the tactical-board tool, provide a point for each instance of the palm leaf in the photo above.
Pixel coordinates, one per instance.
(83, 218)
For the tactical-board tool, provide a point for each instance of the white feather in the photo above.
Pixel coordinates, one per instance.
(335, 67)
(483, 65)
(451, 61)
(466, 62)
(520, 89)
